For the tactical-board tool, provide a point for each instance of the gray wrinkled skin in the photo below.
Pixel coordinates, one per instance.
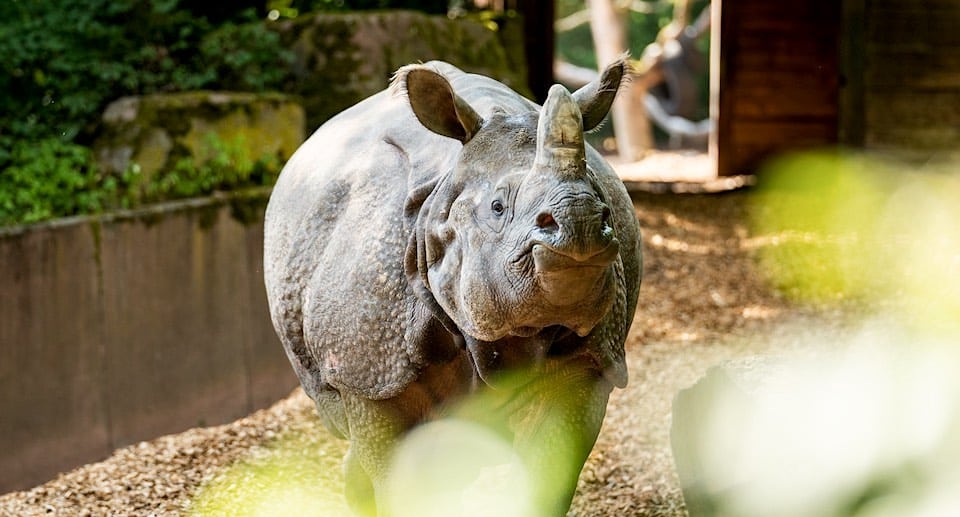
(439, 234)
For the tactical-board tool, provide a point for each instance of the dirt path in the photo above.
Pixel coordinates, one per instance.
(702, 301)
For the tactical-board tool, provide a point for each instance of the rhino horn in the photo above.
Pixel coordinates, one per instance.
(560, 134)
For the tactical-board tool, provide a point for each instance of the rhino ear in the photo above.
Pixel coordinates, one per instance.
(596, 98)
(435, 104)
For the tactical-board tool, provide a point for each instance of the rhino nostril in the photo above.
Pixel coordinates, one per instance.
(547, 222)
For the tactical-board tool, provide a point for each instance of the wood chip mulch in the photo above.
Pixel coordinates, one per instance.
(702, 301)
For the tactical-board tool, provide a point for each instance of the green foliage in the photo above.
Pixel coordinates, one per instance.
(851, 227)
(227, 167)
(56, 65)
(62, 61)
(576, 46)
(292, 8)
(245, 57)
(50, 178)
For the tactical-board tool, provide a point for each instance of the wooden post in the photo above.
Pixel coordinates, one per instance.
(716, 73)
(852, 55)
(538, 38)
(778, 80)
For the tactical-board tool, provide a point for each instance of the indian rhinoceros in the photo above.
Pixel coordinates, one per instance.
(438, 234)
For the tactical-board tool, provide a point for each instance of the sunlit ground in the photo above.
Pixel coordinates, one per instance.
(452, 467)
(293, 475)
(866, 426)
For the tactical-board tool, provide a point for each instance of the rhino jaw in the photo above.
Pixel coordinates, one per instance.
(573, 244)
(578, 283)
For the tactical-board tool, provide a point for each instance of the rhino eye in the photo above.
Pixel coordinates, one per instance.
(497, 207)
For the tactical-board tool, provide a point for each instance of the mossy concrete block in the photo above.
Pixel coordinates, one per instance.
(154, 131)
(344, 58)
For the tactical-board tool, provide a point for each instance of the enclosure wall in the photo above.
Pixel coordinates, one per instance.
(123, 328)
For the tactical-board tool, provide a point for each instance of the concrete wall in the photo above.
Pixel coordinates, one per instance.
(122, 328)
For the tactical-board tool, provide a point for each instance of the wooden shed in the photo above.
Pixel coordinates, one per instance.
(873, 74)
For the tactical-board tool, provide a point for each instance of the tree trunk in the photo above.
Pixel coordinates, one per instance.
(630, 124)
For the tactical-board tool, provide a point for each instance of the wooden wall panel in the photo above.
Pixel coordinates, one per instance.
(877, 74)
(911, 76)
(779, 80)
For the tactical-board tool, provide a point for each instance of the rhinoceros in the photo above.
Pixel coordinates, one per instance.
(438, 234)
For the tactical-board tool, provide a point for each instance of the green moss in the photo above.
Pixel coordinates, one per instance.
(207, 215)
(215, 165)
(148, 217)
(172, 118)
(248, 207)
(331, 42)
(95, 232)
(193, 144)
(344, 58)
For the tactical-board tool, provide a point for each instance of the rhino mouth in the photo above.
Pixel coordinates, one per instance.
(567, 289)
(550, 259)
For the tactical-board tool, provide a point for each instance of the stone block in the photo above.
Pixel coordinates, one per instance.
(343, 58)
(155, 131)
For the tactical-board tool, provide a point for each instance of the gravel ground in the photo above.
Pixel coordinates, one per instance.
(702, 301)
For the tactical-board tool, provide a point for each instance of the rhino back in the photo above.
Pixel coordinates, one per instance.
(334, 245)
(483, 93)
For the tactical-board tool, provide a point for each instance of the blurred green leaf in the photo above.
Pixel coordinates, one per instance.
(845, 226)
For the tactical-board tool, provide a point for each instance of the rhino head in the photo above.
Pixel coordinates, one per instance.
(517, 238)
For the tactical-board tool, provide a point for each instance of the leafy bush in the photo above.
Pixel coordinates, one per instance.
(51, 179)
(245, 57)
(62, 61)
(291, 8)
(56, 65)
(228, 167)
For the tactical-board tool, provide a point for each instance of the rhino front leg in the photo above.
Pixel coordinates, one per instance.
(374, 428)
(556, 433)
(552, 419)
(358, 487)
